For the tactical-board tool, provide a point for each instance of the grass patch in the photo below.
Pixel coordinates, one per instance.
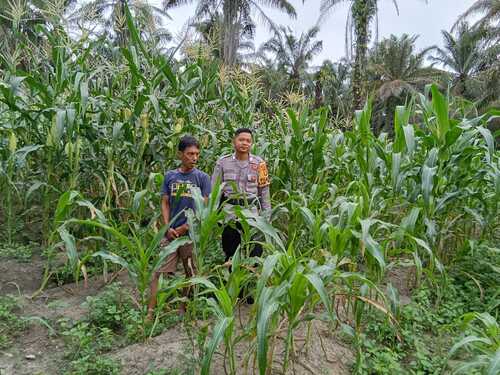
(10, 322)
(428, 325)
(17, 251)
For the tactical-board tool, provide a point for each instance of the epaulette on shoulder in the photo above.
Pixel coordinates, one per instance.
(225, 156)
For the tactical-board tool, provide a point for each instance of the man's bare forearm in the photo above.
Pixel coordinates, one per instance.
(165, 210)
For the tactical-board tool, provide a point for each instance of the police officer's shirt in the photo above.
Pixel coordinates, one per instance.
(250, 177)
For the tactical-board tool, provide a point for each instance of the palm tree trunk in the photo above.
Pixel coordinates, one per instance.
(230, 34)
(318, 93)
(460, 88)
(361, 14)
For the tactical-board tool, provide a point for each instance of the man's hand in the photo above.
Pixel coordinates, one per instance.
(172, 234)
(182, 230)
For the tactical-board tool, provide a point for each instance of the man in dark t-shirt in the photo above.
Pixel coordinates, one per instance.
(176, 199)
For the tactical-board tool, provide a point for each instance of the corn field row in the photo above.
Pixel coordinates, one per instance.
(85, 141)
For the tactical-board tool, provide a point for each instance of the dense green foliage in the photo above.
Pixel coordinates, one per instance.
(88, 130)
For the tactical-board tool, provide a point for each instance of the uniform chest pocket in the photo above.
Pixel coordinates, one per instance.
(252, 178)
(252, 183)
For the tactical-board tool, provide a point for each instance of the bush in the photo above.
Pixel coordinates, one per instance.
(84, 340)
(91, 365)
(17, 251)
(109, 309)
(10, 322)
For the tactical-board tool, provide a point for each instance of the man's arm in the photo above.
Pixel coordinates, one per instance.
(165, 209)
(165, 213)
(263, 189)
(206, 187)
(265, 198)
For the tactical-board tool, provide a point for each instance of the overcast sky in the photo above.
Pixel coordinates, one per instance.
(415, 17)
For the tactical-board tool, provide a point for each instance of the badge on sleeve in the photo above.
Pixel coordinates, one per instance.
(263, 174)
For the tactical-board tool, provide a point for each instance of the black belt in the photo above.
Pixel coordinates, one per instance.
(240, 202)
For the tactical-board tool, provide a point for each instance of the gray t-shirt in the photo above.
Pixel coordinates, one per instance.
(177, 186)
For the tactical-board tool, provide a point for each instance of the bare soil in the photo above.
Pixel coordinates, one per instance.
(37, 350)
(402, 278)
(20, 277)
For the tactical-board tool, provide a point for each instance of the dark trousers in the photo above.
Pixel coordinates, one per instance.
(231, 239)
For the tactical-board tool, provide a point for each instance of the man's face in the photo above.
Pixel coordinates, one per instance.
(242, 142)
(189, 157)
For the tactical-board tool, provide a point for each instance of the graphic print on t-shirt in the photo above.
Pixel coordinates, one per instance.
(177, 186)
(180, 189)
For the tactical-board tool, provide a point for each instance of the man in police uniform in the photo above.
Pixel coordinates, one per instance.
(248, 174)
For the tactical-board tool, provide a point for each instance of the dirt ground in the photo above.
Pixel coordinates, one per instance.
(40, 351)
(402, 277)
(323, 356)
(24, 277)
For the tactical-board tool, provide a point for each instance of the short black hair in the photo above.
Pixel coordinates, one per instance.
(187, 141)
(243, 130)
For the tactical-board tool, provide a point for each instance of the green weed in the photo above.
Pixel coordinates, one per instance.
(419, 343)
(17, 251)
(94, 365)
(110, 308)
(82, 339)
(10, 323)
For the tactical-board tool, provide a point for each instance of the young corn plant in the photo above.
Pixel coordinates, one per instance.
(16, 161)
(287, 292)
(204, 225)
(223, 306)
(481, 345)
(67, 203)
(142, 256)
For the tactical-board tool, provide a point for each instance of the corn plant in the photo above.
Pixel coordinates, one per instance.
(204, 225)
(481, 343)
(223, 306)
(15, 161)
(142, 258)
(348, 204)
(66, 205)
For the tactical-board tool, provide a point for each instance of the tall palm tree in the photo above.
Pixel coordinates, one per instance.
(489, 10)
(17, 27)
(332, 87)
(210, 31)
(487, 30)
(293, 54)
(361, 15)
(104, 16)
(395, 71)
(395, 67)
(464, 54)
(235, 15)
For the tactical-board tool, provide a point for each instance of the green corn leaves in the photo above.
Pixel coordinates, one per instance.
(348, 203)
(428, 174)
(482, 345)
(217, 336)
(374, 249)
(268, 304)
(440, 107)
